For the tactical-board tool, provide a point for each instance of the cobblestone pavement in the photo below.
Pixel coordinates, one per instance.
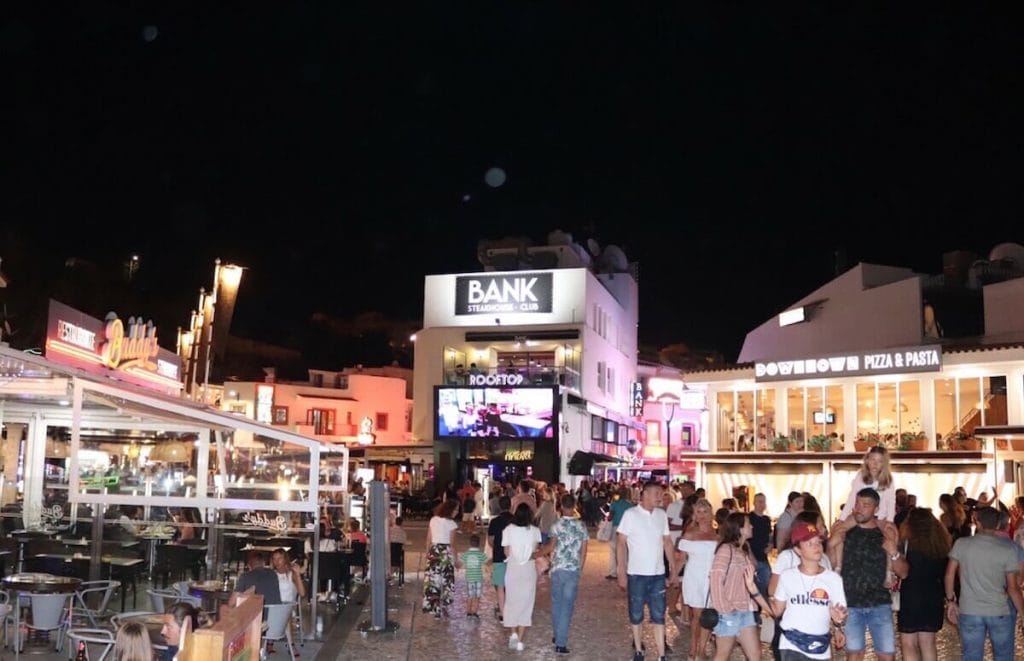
(599, 626)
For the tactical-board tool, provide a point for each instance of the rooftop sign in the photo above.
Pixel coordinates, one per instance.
(856, 363)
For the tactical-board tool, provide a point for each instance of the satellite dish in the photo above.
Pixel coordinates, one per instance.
(615, 259)
(1013, 252)
(593, 247)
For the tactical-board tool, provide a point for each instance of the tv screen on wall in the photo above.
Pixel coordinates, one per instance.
(500, 413)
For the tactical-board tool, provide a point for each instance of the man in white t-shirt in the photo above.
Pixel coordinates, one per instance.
(644, 541)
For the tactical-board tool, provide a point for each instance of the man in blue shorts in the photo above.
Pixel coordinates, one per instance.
(494, 531)
(644, 541)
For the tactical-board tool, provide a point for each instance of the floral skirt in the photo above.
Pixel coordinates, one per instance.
(438, 580)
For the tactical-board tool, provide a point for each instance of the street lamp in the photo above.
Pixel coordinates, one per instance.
(668, 413)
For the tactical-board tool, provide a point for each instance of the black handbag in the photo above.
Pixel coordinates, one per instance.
(709, 616)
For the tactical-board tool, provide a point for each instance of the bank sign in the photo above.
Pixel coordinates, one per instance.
(859, 363)
(514, 292)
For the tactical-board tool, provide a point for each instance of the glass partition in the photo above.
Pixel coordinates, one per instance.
(797, 415)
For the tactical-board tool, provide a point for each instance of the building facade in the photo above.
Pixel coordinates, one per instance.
(518, 370)
(868, 359)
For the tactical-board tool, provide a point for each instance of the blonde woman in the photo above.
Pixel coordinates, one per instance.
(696, 549)
(132, 643)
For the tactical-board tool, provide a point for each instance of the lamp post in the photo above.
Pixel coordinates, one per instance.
(671, 403)
(196, 345)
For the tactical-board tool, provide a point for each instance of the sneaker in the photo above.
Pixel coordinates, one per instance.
(561, 650)
(513, 640)
(638, 655)
(520, 647)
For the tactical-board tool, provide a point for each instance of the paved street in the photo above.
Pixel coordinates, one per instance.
(599, 627)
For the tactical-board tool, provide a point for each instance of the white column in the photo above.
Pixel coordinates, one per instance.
(1015, 396)
(781, 412)
(35, 470)
(849, 419)
(927, 386)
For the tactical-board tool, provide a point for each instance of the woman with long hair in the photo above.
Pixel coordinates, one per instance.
(954, 517)
(439, 576)
(694, 552)
(520, 539)
(922, 566)
(132, 642)
(731, 566)
(876, 473)
(811, 505)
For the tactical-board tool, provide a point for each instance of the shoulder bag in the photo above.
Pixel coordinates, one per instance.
(709, 616)
(604, 531)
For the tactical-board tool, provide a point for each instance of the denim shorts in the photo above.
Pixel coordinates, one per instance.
(729, 624)
(877, 619)
(648, 590)
(473, 589)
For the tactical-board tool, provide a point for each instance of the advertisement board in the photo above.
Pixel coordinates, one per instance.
(500, 413)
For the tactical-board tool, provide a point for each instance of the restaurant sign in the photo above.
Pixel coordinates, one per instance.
(257, 520)
(128, 350)
(505, 293)
(858, 363)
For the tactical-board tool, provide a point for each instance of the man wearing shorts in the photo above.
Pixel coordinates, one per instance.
(644, 541)
(494, 531)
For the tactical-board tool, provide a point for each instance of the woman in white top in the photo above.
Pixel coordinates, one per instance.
(696, 549)
(289, 582)
(439, 576)
(520, 540)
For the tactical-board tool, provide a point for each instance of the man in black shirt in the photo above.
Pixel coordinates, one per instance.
(867, 564)
(760, 542)
(494, 532)
(261, 577)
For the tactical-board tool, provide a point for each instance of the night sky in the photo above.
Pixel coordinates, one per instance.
(338, 150)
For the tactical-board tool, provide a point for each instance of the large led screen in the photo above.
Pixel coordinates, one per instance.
(503, 413)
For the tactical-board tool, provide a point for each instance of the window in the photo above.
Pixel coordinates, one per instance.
(600, 375)
(382, 422)
(322, 421)
(611, 381)
(318, 379)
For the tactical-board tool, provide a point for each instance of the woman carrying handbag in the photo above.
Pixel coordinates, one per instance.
(730, 595)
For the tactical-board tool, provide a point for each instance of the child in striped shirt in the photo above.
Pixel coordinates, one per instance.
(473, 562)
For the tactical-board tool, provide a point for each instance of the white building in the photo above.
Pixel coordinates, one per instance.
(879, 355)
(519, 367)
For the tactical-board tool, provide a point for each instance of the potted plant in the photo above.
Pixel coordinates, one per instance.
(863, 442)
(819, 443)
(781, 443)
(963, 441)
(913, 441)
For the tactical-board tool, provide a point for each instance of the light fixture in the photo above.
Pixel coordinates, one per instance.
(171, 452)
(903, 407)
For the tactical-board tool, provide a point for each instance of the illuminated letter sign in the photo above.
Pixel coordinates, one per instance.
(277, 524)
(505, 294)
(856, 363)
(636, 402)
(135, 350)
(519, 455)
(495, 379)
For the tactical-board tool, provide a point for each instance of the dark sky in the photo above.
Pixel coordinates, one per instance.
(329, 146)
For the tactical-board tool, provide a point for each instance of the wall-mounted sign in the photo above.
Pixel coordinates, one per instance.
(128, 350)
(522, 454)
(495, 379)
(636, 398)
(257, 520)
(52, 514)
(511, 292)
(859, 363)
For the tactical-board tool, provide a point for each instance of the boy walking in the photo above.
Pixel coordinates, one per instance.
(473, 562)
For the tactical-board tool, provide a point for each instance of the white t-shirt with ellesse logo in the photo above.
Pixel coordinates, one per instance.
(808, 599)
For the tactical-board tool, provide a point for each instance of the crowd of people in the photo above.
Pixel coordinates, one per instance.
(736, 577)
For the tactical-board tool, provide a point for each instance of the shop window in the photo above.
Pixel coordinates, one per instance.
(764, 418)
(945, 408)
(726, 420)
(910, 407)
(867, 413)
(834, 420)
(970, 405)
(322, 421)
(994, 391)
(888, 411)
(797, 410)
(382, 422)
(744, 420)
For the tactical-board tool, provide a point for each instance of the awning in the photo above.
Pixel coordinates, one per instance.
(605, 459)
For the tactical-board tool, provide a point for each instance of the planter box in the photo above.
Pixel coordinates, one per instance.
(861, 446)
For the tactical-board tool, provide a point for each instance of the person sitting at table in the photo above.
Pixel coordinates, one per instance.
(132, 642)
(183, 530)
(127, 519)
(174, 620)
(260, 577)
(289, 580)
(355, 534)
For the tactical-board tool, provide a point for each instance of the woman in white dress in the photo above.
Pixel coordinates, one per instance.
(696, 549)
(520, 539)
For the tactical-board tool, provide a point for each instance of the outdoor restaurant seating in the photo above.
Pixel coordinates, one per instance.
(91, 636)
(278, 621)
(49, 613)
(89, 591)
